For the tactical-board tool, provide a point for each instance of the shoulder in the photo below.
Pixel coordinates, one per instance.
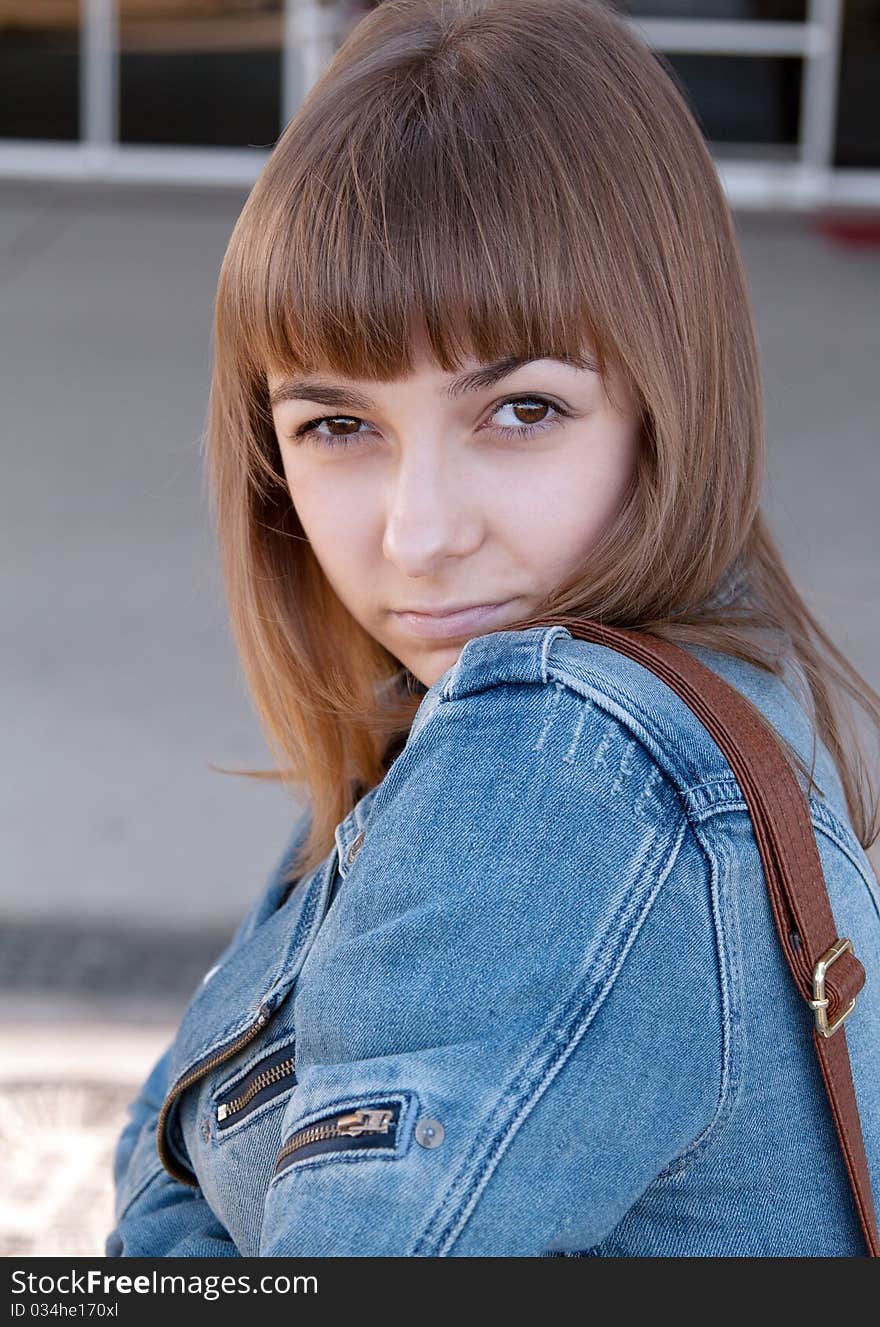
(512, 743)
(543, 690)
(515, 677)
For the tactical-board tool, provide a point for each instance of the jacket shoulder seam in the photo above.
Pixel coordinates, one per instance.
(728, 973)
(622, 706)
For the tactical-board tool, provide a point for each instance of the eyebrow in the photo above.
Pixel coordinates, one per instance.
(308, 389)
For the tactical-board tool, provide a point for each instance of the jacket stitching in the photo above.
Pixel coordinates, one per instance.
(624, 707)
(253, 1113)
(263, 1051)
(824, 821)
(552, 707)
(729, 986)
(153, 1173)
(569, 757)
(349, 1156)
(837, 829)
(410, 1108)
(845, 848)
(545, 644)
(546, 1058)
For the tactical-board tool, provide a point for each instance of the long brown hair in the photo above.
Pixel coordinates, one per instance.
(500, 177)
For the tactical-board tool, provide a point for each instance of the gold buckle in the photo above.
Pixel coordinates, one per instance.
(820, 1001)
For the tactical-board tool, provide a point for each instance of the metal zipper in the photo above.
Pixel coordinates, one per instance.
(267, 1078)
(368, 1121)
(193, 1076)
(218, 1058)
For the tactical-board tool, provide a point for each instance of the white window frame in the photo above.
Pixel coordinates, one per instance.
(310, 33)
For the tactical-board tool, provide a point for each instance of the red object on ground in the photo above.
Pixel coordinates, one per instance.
(852, 230)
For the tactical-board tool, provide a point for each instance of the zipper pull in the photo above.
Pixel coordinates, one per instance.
(364, 1121)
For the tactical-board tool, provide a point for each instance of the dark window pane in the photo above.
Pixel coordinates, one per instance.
(742, 98)
(200, 72)
(858, 111)
(738, 99)
(39, 69)
(791, 11)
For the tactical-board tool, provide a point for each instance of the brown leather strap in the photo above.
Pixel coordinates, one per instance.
(795, 882)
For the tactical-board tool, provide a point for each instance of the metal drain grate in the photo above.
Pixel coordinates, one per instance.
(56, 1151)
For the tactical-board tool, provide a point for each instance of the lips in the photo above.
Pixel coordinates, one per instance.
(445, 611)
(450, 625)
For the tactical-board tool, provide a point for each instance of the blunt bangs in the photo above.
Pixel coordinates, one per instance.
(416, 218)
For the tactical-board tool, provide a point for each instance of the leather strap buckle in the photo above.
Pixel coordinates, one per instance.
(820, 1001)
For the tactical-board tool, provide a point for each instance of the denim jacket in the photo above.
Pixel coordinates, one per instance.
(531, 1004)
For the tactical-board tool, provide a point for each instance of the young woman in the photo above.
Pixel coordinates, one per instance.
(484, 353)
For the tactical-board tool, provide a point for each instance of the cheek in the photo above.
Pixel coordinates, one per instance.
(336, 519)
(597, 488)
(560, 508)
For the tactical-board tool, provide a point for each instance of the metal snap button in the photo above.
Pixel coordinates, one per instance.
(430, 1133)
(356, 845)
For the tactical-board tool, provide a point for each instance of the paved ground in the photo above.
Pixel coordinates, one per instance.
(126, 860)
(62, 1104)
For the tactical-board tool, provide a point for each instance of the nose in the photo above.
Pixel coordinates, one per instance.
(432, 514)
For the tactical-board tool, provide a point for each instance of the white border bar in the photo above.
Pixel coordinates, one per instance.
(131, 163)
(99, 73)
(819, 87)
(748, 183)
(708, 36)
(797, 187)
(310, 32)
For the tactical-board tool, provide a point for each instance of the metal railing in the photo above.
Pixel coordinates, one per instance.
(310, 32)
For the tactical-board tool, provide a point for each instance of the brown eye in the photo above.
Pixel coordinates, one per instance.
(350, 425)
(331, 431)
(530, 413)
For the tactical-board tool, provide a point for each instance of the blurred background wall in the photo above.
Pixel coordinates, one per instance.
(130, 132)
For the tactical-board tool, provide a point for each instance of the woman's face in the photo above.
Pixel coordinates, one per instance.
(442, 491)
